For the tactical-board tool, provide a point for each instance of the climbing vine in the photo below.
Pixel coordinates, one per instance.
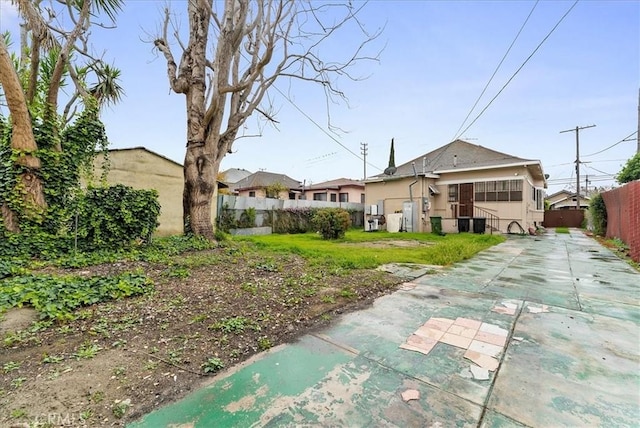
(107, 216)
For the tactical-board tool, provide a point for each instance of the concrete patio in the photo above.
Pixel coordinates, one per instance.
(535, 332)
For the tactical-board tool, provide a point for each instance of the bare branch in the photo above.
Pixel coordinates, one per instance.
(178, 85)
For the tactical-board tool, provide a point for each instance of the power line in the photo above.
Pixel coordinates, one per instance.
(601, 172)
(320, 127)
(496, 70)
(613, 145)
(519, 68)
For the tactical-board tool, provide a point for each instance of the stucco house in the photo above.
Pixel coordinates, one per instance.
(257, 184)
(456, 183)
(566, 200)
(339, 190)
(141, 168)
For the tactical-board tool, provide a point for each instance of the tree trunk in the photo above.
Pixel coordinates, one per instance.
(22, 140)
(200, 172)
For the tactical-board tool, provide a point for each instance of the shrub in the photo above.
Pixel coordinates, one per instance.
(598, 211)
(111, 217)
(226, 220)
(247, 218)
(332, 223)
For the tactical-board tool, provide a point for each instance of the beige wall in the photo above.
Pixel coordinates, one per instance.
(141, 169)
(396, 191)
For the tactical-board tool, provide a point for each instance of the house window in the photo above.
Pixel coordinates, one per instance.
(334, 197)
(344, 197)
(539, 199)
(252, 193)
(503, 190)
(320, 196)
(479, 189)
(453, 193)
(292, 196)
(500, 191)
(492, 191)
(362, 198)
(515, 190)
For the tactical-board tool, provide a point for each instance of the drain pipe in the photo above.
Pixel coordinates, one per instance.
(415, 174)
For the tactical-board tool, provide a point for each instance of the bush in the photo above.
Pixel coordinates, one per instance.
(226, 219)
(116, 216)
(247, 218)
(332, 223)
(598, 211)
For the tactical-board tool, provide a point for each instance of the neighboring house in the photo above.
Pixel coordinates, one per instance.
(458, 182)
(566, 200)
(339, 190)
(258, 184)
(141, 168)
(233, 175)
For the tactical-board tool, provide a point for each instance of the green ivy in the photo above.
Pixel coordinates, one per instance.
(111, 217)
(598, 211)
(58, 296)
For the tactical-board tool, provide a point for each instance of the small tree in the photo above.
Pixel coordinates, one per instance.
(630, 171)
(274, 190)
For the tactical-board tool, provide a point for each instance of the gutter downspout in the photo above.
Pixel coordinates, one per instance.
(415, 174)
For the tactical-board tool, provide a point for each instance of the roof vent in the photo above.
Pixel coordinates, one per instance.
(455, 160)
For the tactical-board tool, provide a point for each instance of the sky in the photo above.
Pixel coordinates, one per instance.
(435, 59)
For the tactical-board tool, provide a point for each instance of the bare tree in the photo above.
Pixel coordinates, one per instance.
(45, 39)
(232, 58)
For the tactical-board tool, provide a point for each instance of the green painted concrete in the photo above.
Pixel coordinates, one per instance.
(576, 365)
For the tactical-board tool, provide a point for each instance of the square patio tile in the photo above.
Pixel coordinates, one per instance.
(419, 344)
(455, 340)
(482, 360)
(468, 323)
(442, 324)
(491, 338)
(494, 329)
(485, 348)
(429, 332)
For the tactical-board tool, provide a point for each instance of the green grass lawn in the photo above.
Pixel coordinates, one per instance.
(366, 250)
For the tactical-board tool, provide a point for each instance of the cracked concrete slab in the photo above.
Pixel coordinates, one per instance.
(573, 362)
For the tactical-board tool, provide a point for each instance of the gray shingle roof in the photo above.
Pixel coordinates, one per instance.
(262, 179)
(458, 155)
(233, 175)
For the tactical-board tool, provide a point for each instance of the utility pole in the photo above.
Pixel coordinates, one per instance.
(586, 186)
(363, 152)
(577, 131)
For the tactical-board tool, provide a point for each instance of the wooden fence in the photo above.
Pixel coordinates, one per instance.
(563, 218)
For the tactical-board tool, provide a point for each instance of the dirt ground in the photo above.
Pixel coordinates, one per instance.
(122, 359)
